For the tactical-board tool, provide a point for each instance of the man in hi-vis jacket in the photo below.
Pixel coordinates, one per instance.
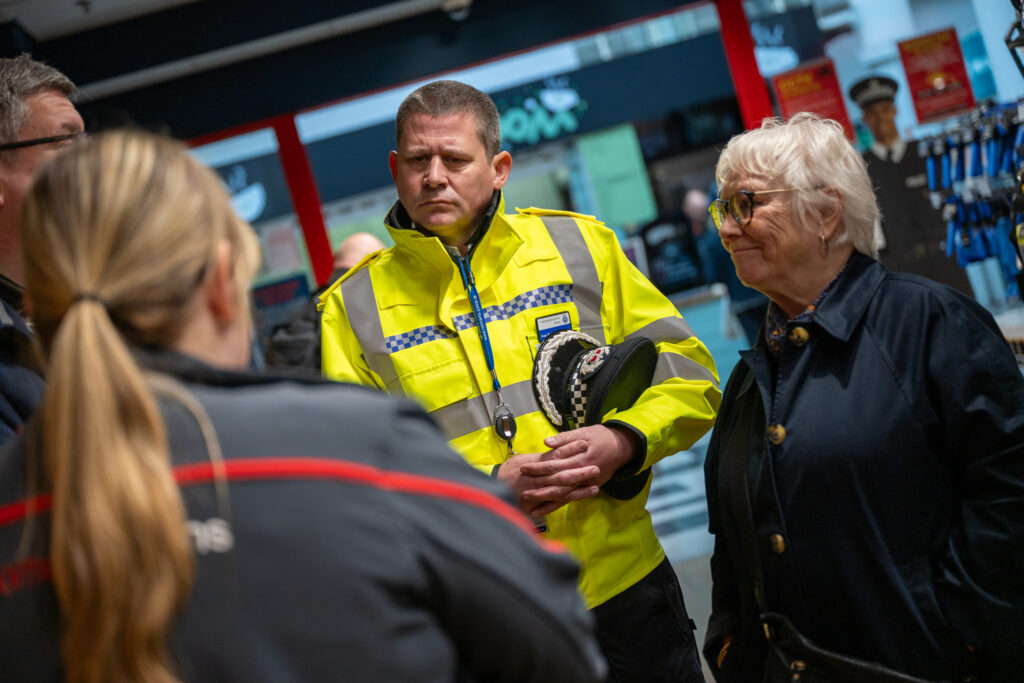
(452, 316)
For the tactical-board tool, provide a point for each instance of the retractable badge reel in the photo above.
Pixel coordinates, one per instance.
(505, 424)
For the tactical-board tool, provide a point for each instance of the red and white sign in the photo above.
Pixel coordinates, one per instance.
(937, 75)
(812, 87)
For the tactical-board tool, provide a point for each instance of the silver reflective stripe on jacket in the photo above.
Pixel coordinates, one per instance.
(673, 364)
(358, 296)
(586, 285)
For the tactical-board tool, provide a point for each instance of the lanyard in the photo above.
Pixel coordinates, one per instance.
(503, 417)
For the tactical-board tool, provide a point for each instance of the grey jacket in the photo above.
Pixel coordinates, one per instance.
(368, 551)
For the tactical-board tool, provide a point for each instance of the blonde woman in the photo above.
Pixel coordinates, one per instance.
(169, 517)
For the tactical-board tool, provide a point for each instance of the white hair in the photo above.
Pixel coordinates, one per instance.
(809, 152)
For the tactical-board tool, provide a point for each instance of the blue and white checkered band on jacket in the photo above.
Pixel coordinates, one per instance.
(535, 298)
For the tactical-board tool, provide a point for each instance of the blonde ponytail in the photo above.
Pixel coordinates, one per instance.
(117, 236)
(120, 558)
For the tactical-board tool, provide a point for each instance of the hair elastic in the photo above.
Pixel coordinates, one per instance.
(88, 296)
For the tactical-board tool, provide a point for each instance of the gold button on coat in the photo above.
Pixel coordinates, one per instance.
(776, 434)
(778, 543)
(799, 336)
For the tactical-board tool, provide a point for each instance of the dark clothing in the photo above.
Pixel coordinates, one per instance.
(21, 386)
(296, 341)
(885, 451)
(646, 634)
(914, 231)
(355, 546)
(671, 254)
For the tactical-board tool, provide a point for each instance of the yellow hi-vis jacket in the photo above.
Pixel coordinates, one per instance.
(402, 321)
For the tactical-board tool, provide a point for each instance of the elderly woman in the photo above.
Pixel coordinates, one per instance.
(865, 478)
(170, 517)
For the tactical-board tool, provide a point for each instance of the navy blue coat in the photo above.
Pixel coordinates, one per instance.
(885, 463)
(20, 387)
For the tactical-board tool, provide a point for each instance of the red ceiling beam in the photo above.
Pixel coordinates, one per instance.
(305, 198)
(751, 89)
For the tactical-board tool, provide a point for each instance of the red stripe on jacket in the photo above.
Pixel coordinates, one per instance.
(255, 469)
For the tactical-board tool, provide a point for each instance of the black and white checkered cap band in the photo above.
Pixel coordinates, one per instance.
(588, 365)
(544, 369)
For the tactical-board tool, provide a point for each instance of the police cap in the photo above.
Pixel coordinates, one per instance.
(873, 89)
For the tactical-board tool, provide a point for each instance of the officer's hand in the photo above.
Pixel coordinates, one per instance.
(606, 448)
(539, 495)
(598, 446)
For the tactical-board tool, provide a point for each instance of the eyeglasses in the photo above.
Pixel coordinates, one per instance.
(741, 205)
(41, 141)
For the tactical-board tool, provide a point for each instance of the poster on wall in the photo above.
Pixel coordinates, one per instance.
(812, 87)
(937, 75)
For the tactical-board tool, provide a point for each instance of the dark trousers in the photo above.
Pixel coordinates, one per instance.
(645, 633)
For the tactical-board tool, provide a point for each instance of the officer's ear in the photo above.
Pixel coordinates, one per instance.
(393, 165)
(502, 165)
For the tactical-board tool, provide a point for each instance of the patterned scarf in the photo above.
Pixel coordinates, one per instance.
(775, 319)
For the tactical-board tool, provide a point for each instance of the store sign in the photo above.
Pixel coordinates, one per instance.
(813, 87)
(277, 299)
(782, 41)
(257, 187)
(249, 200)
(937, 75)
(541, 113)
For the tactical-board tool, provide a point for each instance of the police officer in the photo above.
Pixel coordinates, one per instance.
(453, 314)
(913, 231)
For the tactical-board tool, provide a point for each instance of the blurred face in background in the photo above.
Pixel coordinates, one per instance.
(880, 117)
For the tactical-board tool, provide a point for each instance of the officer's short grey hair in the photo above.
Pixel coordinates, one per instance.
(447, 98)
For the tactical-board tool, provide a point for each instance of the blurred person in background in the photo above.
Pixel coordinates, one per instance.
(910, 230)
(296, 341)
(37, 119)
(169, 517)
(865, 477)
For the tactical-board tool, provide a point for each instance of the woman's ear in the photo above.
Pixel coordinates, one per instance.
(221, 297)
(832, 213)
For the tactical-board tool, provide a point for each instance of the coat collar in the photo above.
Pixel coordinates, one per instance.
(11, 302)
(844, 306)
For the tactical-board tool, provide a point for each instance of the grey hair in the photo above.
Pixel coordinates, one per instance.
(21, 77)
(447, 98)
(809, 152)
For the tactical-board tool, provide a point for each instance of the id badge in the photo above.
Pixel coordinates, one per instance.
(550, 324)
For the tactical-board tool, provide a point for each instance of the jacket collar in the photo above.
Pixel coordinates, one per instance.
(399, 219)
(10, 307)
(844, 306)
(194, 371)
(492, 247)
(897, 150)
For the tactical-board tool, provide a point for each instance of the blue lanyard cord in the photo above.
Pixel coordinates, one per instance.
(481, 325)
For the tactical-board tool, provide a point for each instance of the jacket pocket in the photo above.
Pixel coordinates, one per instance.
(440, 384)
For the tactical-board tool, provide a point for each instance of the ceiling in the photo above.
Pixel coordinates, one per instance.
(47, 19)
